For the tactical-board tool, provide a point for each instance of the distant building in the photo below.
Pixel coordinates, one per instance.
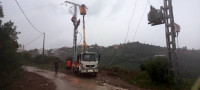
(40, 51)
(159, 55)
(91, 46)
(54, 52)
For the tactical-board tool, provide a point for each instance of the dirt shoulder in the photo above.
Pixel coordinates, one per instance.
(105, 78)
(32, 81)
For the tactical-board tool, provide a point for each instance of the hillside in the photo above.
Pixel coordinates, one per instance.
(131, 55)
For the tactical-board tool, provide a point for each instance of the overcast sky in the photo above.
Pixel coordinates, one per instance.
(106, 22)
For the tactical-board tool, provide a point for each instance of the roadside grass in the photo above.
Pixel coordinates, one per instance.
(48, 66)
(46, 62)
(142, 80)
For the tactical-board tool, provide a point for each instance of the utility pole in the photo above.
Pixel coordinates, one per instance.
(75, 35)
(43, 45)
(23, 48)
(76, 24)
(170, 40)
(164, 15)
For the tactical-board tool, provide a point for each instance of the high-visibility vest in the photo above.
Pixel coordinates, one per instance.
(68, 63)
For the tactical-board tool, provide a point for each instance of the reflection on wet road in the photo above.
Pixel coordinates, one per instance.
(69, 82)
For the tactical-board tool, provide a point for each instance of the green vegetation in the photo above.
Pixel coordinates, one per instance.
(10, 66)
(132, 56)
(116, 71)
(157, 70)
(154, 75)
(128, 56)
(43, 62)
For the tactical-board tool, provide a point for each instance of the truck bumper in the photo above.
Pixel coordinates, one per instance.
(89, 71)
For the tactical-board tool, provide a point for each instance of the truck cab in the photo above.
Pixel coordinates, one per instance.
(87, 63)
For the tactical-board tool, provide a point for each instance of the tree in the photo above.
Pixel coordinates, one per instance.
(9, 60)
(1, 11)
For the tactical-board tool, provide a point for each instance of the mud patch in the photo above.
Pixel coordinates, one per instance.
(32, 81)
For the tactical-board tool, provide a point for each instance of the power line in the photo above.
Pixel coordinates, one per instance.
(34, 39)
(27, 17)
(158, 2)
(43, 33)
(149, 3)
(130, 21)
(139, 23)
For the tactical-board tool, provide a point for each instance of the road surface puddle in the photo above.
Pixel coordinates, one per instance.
(69, 82)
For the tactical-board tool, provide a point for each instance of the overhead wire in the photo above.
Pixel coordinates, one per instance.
(158, 2)
(34, 40)
(131, 20)
(27, 17)
(139, 23)
(148, 1)
(42, 33)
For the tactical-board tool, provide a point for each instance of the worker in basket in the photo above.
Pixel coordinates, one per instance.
(68, 65)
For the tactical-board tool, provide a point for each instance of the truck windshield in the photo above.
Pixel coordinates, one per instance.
(89, 57)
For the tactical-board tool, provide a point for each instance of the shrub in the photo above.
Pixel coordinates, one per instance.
(157, 69)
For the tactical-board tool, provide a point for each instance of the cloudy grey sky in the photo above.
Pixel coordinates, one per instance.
(106, 22)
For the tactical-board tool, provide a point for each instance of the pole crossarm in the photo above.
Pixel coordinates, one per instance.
(72, 3)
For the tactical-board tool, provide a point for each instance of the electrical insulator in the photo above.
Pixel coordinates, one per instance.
(83, 9)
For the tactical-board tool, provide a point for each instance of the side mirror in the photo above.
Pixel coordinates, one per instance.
(99, 57)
